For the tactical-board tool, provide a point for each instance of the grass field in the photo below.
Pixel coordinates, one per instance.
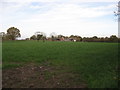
(95, 64)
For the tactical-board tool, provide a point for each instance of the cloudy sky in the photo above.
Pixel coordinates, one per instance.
(86, 18)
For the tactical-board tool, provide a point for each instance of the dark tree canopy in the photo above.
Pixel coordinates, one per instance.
(39, 36)
(13, 33)
(113, 38)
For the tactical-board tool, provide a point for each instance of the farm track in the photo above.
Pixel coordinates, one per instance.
(40, 76)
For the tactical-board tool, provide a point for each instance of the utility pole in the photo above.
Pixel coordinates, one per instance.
(118, 13)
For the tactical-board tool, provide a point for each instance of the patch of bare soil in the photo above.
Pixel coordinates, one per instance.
(36, 76)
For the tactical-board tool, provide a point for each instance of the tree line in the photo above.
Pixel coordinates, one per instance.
(14, 33)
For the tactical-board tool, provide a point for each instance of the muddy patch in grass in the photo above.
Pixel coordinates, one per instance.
(39, 76)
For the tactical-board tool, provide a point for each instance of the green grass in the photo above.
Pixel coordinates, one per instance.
(6, 66)
(96, 63)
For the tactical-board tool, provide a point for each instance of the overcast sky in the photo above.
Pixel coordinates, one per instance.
(86, 18)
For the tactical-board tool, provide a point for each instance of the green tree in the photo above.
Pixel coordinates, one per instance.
(60, 36)
(113, 38)
(78, 38)
(95, 39)
(33, 37)
(13, 33)
(119, 40)
(40, 36)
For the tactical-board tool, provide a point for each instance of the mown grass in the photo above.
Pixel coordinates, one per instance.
(96, 63)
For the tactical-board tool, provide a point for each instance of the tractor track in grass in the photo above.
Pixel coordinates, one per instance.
(40, 76)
